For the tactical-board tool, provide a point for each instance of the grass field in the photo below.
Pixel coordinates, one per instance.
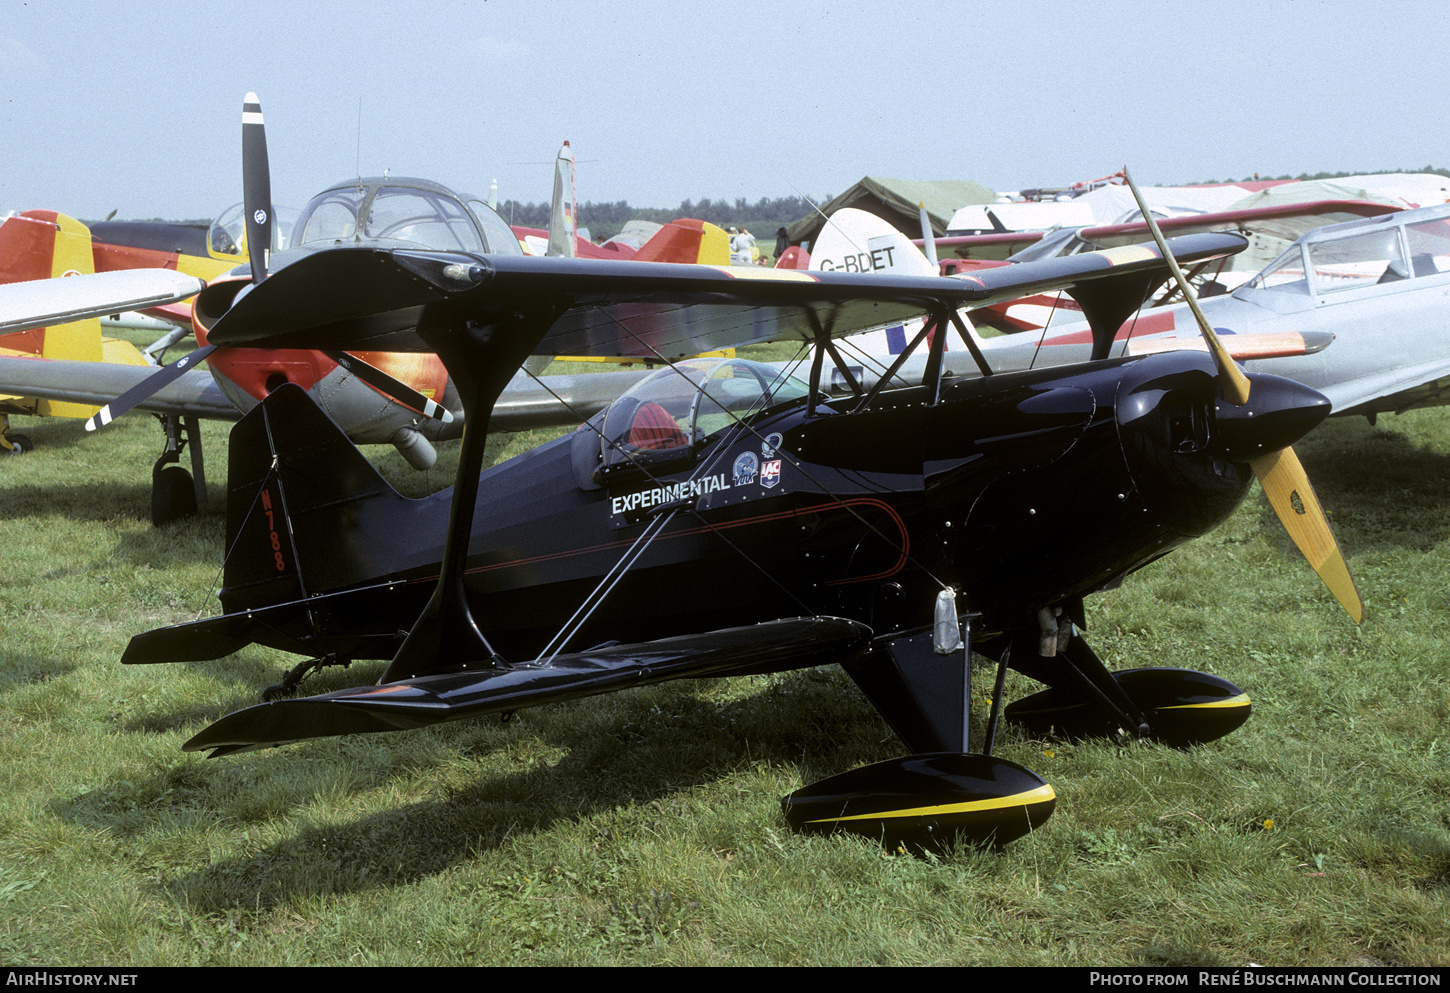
(644, 827)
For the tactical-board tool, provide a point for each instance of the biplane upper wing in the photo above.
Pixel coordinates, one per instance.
(39, 303)
(380, 299)
(1286, 221)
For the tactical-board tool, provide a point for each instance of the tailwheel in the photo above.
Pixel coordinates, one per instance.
(926, 802)
(295, 675)
(1182, 708)
(10, 443)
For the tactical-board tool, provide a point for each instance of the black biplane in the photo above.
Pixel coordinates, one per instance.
(719, 519)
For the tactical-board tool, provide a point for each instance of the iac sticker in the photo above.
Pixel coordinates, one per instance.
(770, 473)
(745, 465)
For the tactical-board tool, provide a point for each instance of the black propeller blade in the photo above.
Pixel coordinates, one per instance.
(398, 390)
(256, 187)
(136, 394)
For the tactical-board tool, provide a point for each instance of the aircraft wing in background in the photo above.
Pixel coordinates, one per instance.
(40, 303)
(97, 383)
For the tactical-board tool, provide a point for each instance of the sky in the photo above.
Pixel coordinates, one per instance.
(136, 106)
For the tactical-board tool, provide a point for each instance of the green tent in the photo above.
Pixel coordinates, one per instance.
(899, 202)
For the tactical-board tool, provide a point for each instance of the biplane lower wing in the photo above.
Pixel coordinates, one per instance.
(770, 647)
(1395, 391)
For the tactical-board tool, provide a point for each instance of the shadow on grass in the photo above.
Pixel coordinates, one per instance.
(83, 502)
(629, 753)
(23, 669)
(79, 502)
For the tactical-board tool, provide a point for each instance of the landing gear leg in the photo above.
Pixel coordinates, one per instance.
(945, 793)
(13, 444)
(174, 492)
(1077, 672)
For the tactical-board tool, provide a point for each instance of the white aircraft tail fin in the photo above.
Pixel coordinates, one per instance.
(857, 241)
(563, 223)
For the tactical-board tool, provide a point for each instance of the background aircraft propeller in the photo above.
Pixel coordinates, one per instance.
(1280, 473)
(257, 196)
(256, 187)
(151, 384)
(399, 391)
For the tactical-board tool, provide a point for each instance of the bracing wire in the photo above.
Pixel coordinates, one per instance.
(801, 468)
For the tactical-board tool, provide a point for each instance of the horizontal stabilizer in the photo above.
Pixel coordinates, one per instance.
(210, 637)
(778, 645)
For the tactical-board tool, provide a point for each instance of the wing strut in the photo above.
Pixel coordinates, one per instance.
(970, 342)
(481, 361)
(829, 345)
(927, 327)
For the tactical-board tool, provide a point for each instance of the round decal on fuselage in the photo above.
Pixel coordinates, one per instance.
(746, 465)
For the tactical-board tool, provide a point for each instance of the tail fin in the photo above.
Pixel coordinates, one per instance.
(300, 510)
(687, 240)
(41, 244)
(563, 219)
(299, 499)
(857, 241)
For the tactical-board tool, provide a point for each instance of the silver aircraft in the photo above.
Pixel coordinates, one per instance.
(1355, 310)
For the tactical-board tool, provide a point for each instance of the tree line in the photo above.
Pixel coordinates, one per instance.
(604, 220)
(1306, 177)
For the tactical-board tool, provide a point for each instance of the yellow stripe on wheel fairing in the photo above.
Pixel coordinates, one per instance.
(1039, 795)
(1242, 700)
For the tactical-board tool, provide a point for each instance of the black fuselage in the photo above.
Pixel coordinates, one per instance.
(1019, 491)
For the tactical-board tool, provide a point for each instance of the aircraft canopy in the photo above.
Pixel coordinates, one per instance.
(683, 404)
(403, 213)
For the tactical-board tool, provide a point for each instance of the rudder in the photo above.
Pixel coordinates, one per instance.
(44, 244)
(298, 498)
